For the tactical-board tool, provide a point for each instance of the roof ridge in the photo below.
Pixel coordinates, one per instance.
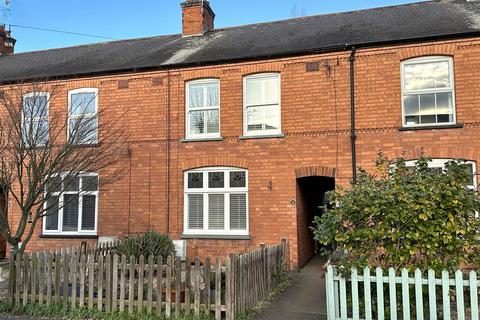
(327, 14)
(231, 28)
(101, 43)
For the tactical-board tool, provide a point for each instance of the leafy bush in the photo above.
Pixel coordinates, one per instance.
(148, 244)
(404, 216)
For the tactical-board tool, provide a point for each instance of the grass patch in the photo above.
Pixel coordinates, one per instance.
(262, 305)
(58, 311)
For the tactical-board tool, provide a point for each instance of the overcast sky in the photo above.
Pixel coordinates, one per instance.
(122, 19)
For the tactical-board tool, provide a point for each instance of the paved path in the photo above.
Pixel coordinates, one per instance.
(304, 299)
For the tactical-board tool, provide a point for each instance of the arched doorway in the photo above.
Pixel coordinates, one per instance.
(312, 184)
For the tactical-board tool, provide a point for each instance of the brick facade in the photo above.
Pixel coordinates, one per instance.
(316, 126)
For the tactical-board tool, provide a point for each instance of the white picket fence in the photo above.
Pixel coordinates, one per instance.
(375, 294)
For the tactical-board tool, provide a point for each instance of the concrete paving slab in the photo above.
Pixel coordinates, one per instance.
(304, 299)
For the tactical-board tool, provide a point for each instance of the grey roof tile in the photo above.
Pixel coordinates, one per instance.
(411, 22)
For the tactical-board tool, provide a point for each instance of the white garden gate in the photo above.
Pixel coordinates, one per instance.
(375, 294)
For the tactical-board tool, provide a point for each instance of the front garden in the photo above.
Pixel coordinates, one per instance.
(403, 242)
(102, 281)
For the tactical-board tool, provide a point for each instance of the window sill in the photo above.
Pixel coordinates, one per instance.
(432, 127)
(68, 236)
(215, 237)
(187, 140)
(265, 136)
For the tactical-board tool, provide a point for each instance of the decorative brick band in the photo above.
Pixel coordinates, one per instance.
(315, 171)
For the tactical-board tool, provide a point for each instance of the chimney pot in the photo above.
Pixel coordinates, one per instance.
(7, 43)
(197, 17)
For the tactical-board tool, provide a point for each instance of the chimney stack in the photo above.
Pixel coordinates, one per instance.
(197, 17)
(7, 43)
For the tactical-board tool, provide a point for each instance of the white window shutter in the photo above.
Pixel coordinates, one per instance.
(216, 211)
(254, 91)
(195, 211)
(238, 211)
(271, 90)
(88, 212)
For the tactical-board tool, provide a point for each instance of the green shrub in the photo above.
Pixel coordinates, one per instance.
(148, 244)
(401, 216)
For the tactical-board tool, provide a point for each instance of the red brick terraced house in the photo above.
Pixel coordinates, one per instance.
(236, 133)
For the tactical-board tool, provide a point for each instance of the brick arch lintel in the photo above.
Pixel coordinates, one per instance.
(422, 51)
(447, 152)
(315, 171)
(205, 162)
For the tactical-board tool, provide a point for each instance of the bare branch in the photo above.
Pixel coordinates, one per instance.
(42, 143)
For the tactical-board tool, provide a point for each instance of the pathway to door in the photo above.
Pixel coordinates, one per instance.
(304, 299)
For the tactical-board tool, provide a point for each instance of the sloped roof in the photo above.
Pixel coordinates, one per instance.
(329, 32)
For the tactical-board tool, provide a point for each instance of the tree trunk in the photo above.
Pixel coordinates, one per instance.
(13, 247)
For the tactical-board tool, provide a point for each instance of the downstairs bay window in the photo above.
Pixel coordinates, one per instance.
(72, 208)
(438, 166)
(216, 202)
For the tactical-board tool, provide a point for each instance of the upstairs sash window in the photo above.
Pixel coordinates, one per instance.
(262, 114)
(203, 108)
(428, 91)
(83, 116)
(35, 118)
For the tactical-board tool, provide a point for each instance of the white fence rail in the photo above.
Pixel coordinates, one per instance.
(375, 294)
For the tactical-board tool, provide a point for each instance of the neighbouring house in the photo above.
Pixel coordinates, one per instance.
(235, 134)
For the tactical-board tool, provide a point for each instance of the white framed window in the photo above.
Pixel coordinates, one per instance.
(203, 108)
(35, 126)
(72, 208)
(428, 91)
(83, 116)
(438, 165)
(216, 201)
(262, 105)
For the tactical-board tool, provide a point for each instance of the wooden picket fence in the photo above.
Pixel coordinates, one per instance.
(103, 279)
(376, 295)
(256, 273)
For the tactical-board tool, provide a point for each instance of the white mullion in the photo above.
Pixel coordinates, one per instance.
(95, 227)
(205, 200)
(205, 212)
(204, 88)
(80, 204)
(80, 212)
(227, 212)
(60, 212)
(264, 125)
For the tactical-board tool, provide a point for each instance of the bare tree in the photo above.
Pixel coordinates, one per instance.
(296, 11)
(45, 147)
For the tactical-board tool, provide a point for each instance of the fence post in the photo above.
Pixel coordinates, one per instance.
(228, 285)
(459, 295)
(330, 294)
(473, 294)
(285, 262)
(405, 294)
(108, 282)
